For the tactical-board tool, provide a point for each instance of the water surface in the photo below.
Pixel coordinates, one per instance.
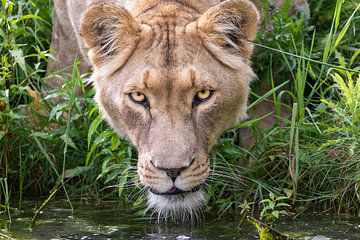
(111, 221)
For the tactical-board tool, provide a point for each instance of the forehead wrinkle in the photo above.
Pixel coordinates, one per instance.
(192, 77)
(145, 78)
(185, 78)
(182, 89)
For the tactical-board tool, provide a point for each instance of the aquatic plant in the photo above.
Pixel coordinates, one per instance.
(273, 208)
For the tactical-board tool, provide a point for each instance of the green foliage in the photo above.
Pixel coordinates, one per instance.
(64, 147)
(347, 107)
(117, 157)
(23, 35)
(265, 232)
(273, 208)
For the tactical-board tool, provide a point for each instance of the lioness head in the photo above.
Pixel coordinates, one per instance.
(171, 77)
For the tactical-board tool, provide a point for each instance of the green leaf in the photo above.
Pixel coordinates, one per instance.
(272, 205)
(71, 173)
(284, 213)
(345, 28)
(354, 57)
(89, 154)
(15, 116)
(19, 58)
(56, 109)
(288, 192)
(282, 205)
(67, 140)
(24, 17)
(281, 198)
(115, 142)
(42, 135)
(275, 213)
(93, 126)
(268, 201)
(2, 134)
(75, 172)
(115, 171)
(122, 182)
(104, 168)
(337, 13)
(266, 95)
(250, 122)
(272, 196)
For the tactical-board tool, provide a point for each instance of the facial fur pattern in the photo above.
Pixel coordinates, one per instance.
(171, 76)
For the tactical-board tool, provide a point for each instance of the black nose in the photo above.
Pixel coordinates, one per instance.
(173, 172)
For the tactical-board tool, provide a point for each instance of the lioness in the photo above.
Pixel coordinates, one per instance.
(170, 76)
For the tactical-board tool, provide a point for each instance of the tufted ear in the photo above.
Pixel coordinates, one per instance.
(109, 30)
(227, 30)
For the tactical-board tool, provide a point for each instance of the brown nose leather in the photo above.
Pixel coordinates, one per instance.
(173, 172)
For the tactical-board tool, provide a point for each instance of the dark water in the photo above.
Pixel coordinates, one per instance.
(110, 221)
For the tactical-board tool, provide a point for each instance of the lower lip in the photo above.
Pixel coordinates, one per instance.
(175, 191)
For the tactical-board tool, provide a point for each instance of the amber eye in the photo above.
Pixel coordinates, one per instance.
(137, 97)
(204, 95)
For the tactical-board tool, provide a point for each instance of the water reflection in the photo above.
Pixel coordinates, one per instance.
(111, 221)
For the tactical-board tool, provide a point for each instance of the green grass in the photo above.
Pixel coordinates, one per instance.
(313, 156)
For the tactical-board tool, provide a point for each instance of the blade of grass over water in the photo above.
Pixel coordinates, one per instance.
(38, 211)
(75, 85)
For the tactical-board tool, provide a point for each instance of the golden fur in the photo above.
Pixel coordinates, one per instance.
(167, 51)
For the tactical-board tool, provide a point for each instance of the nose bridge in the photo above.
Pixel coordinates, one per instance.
(172, 143)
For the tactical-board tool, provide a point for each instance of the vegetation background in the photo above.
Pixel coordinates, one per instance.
(311, 160)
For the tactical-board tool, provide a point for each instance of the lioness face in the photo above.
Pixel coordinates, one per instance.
(172, 80)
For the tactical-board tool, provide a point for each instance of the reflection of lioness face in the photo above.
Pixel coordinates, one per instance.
(172, 79)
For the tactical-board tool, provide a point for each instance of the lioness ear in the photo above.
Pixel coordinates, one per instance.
(227, 30)
(109, 30)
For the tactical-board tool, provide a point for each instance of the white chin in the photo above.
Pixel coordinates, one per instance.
(184, 207)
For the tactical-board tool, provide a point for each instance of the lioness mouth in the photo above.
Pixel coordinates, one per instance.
(174, 191)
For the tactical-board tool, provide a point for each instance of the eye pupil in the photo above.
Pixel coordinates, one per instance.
(202, 96)
(137, 97)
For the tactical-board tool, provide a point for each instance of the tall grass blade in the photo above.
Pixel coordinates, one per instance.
(345, 28)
